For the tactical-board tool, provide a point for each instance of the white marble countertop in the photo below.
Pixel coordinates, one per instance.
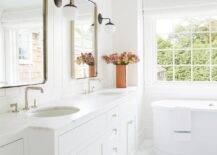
(90, 106)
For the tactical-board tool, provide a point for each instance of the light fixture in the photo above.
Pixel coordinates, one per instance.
(69, 10)
(109, 27)
(58, 3)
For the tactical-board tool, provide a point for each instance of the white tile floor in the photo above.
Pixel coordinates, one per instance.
(145, 148)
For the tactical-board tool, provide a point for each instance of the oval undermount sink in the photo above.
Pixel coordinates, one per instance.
(54, 111)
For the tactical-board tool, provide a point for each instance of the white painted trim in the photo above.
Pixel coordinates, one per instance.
(181, 9)
(149, 49)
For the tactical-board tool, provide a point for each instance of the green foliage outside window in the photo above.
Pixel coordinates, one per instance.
(182, 73)
(201, 73)
(201, 57)
(182, 57)
(214, 57)
(214, 73)
(165, 57)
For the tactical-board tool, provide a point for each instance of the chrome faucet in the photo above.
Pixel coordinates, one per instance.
(89, 88)
(26, 95)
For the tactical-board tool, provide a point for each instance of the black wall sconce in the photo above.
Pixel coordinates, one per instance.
(100, 19)
(109, 27)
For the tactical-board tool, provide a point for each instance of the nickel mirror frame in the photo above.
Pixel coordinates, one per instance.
(45, 28)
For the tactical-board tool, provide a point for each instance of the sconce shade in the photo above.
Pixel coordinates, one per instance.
(110, 27)
(58, 3)
(70, 11)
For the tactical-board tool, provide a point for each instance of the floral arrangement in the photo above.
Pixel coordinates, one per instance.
(86, 58)
(124, 58)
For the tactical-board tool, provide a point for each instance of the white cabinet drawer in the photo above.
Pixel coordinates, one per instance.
(82, 134)
(13, 148)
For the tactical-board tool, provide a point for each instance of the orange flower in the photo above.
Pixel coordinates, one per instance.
(86, 58)
(124, 58)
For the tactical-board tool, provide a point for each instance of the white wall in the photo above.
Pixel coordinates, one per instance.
(2, 66)
(60, 83)
(127, 16)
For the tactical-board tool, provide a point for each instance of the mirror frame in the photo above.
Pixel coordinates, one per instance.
(95, 44)
(45, 47)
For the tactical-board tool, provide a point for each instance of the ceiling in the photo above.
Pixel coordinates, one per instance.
(18, 4)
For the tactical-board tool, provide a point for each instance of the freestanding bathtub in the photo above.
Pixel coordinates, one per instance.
(200, 140)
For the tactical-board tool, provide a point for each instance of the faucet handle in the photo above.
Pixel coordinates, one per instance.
(35, 104)
(14, 107)
(92, 88)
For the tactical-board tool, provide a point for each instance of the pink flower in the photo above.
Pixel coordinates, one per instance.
(124, 58)
(86, 58)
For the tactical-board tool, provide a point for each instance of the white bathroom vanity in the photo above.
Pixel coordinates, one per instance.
(103, 123)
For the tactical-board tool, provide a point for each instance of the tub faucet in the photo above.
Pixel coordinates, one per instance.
(26, 95)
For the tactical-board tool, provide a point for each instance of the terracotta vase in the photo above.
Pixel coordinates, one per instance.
(121, 76)
(92, 71)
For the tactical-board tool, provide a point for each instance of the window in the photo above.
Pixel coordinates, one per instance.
(187, 49)
(25, 46)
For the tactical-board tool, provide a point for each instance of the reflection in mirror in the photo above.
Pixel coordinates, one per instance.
(21, 42)
(84, 41)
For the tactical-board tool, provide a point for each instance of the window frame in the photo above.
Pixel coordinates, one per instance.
(28, 61)
(191, 49)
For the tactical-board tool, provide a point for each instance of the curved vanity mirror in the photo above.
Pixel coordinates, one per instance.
(22, 42)
(84, 41)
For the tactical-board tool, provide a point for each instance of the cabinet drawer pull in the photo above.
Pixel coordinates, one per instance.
(115, 131)
(114, 115)
(130, 122)
(115, 149)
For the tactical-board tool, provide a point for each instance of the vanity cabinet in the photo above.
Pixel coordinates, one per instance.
(128, 128)
(96, 137)
(128, 137)
(85, 137)
(13, 148)
(94, 147)
(111, 132)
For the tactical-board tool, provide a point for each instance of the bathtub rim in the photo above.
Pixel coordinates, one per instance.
(195, 105)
